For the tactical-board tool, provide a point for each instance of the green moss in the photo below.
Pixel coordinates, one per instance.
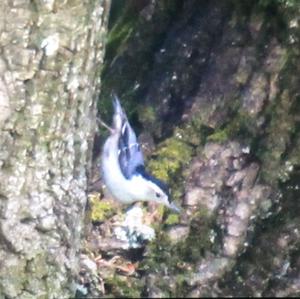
(219, 136)
(190, 134)
(100, 210)
(160, 212)
(122, 286)
(172, 219)
(241, 126)
(168, 163)
(171, 156)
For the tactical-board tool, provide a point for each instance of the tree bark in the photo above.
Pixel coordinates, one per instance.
(50, 61)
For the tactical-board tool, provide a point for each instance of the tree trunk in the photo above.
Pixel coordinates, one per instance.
(51, 56)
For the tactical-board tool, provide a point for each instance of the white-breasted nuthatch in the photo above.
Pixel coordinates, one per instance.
(123, 169)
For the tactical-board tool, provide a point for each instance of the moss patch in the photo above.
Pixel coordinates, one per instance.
(240, 126)
(100, 210)
(169, 158)
(123, 287)
(172, 219)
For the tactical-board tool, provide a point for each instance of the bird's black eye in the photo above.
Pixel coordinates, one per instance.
(157, 194)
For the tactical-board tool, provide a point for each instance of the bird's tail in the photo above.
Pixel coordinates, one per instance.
(119, 115)
(117, 106)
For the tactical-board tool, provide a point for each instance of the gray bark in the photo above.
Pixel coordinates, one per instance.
(51, 55)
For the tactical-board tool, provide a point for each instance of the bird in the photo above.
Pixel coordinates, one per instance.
(123, 167)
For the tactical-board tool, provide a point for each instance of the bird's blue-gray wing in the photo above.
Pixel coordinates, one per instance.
(130, 153)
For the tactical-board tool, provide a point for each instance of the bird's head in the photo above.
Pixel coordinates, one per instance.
(157, 191)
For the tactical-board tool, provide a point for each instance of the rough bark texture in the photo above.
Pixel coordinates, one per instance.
(50, 59)
(216, 84)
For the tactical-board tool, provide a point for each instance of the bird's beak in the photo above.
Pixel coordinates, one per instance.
(174, 208)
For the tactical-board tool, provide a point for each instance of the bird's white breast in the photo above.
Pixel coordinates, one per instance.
(123, 190)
